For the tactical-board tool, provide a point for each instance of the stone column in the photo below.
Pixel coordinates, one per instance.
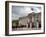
(37, 25)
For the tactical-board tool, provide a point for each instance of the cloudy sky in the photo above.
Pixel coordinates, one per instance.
(19, 11)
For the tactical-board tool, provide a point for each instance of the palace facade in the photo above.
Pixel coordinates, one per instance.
(32, 21)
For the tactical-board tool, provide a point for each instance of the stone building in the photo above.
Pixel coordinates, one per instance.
(32, 21)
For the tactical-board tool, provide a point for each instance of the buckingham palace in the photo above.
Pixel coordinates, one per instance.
(31, 21)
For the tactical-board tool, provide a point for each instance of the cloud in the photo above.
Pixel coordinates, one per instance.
(19, 11)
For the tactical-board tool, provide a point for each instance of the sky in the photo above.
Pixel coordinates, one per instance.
(20, 11)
